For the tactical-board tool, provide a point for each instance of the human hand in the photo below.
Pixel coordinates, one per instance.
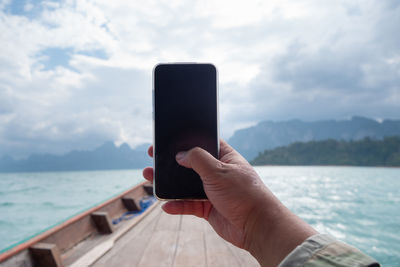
(240, 208)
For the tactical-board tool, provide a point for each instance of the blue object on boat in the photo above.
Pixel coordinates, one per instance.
(144, 203)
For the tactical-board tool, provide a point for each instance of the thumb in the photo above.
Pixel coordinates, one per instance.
(200, 161)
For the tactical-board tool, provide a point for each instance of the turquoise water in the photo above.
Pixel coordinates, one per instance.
(360, 206)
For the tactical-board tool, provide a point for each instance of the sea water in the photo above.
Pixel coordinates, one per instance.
(360, 206)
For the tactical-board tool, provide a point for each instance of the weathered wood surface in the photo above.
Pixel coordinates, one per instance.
(160, 239)
(46, 255)
(91, 249)
(22, 259)
(103, 222)
(154, 238)
(131, 204)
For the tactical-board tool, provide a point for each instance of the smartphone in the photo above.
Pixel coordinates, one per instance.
(185, 115)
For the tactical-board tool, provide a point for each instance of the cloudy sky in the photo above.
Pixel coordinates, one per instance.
(74, 74)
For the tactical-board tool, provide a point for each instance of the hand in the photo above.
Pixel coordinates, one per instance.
(240, 208)
(225, 187)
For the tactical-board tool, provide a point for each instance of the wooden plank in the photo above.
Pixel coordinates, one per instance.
(94, 254)
(130, 204)
(243, 256)
(149, 189)
(82, 248)
(129, 249)
(161, 248)
(193, 223)
(72, 233)
(168, 222)
(46, 255)
(107, 243)
(114, 209)
(102, 222)
(191, 249)
(217, 252)
(137, 194)
(151, 243)
(22, 259)
(165, 240)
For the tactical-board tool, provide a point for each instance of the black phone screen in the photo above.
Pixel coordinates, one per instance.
(185, 116)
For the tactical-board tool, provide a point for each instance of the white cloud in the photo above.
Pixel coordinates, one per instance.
(276, 60)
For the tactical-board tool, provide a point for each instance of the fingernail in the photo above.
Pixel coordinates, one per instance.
(180, 155)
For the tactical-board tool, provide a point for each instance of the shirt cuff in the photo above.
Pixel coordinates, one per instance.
(324, 250)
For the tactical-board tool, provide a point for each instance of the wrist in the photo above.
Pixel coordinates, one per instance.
(273, 231)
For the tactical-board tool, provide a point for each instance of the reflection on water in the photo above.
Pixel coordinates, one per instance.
(360, 206)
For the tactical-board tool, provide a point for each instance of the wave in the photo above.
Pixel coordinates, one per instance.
(6, 223)
(7, 204)
(23, 190)
(53, 205)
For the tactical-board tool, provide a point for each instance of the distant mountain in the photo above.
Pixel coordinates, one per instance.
(269, 134)
(106, 157)
(249, 142)
(365, 152)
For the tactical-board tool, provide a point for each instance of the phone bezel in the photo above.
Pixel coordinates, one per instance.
(153, 117)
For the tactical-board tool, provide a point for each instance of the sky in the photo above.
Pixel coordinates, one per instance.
(74, 74)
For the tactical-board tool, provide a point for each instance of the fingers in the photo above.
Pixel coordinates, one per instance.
(228, 154)
(224, 148)
(148, 171)
(148, 174)
(200, 161)
(198, 208)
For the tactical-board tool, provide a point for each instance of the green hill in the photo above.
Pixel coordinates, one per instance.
(365, 152)
(272, 134)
